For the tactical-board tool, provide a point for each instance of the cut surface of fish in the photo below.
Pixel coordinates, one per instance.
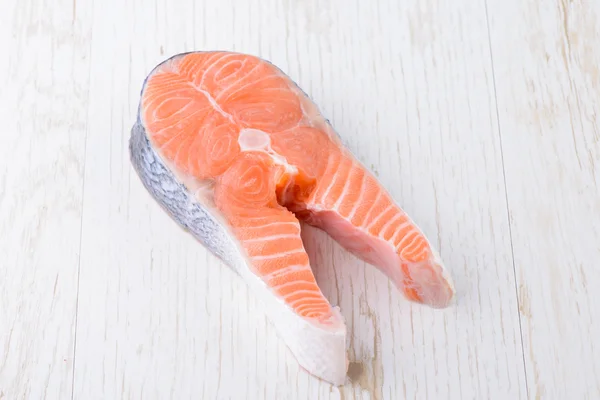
(238, 155)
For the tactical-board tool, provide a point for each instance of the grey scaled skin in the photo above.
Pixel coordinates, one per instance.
(179, 203)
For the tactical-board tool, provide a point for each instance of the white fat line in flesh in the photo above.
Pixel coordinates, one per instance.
(210, 64)
(278, 255)
(307, 295)
(175, 137)
(242, 76)
(389, 223)
(368, 215)
(214, 103)
(398, 230)
(293, 87)
(413, 253)
(294, 224)
(328, 170)
(311, 305)
(360, 198)
(412, 235)
(308, 119)
(161, 131)
(285, 271)
(412, 247)
(326, 192)
(154, 93)
(281, 160)
(194, 68)
(273, 237)
(292, 283)
(345, 189)
(332, 183)
(268, 218)
(376, 219)
(237, 90)
(168, 99)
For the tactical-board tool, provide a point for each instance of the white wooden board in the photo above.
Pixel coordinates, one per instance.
(486, 135)
(548, 80)
(44, 80)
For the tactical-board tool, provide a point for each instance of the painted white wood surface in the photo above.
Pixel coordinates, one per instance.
(547, 69)
(44, 81)
(465, 120)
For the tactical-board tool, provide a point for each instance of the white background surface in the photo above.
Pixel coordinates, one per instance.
(480, 116)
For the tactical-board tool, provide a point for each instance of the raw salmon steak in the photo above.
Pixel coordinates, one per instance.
(238, 155)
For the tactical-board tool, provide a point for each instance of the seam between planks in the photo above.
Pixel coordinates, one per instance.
(510, 234)
(82, 208)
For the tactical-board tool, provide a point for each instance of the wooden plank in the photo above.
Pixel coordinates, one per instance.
(548, 85)
(44, 75)
(409, 87)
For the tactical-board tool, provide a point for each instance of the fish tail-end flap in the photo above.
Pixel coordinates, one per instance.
(269, 234)
(319, 347)
(314, 333)
(352, 206)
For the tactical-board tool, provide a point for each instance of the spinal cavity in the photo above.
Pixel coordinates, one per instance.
(254, 139)
(251, 139)
(292, 185)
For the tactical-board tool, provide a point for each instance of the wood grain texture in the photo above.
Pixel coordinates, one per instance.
(44, 75)
(548, 85)
(483, 133)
